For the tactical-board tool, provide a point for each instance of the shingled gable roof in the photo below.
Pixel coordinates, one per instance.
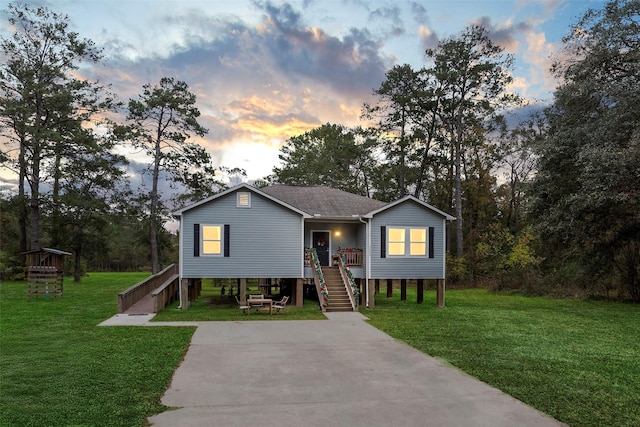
(318, 201)
(415, 200)
(324, 201)
(242, 186)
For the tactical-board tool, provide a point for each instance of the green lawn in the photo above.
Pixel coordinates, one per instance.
(578, 361)
(57, 368)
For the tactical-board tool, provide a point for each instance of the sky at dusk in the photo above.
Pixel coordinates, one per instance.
(265, 71)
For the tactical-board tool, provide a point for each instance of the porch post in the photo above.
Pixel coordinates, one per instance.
(198, 288)
(299, 293)
(377, 286)
(243, 289)
(440, 293)
(184, 294)
(403, 289)
(389, 288)
(359, 283)
(420, 286)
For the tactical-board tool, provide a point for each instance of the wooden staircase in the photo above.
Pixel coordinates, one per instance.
(338, 296)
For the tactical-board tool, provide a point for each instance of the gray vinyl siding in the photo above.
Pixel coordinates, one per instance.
(408, 214)
(265, 240)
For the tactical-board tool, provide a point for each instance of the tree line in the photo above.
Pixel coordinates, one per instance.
(544, 203)
(59, 140)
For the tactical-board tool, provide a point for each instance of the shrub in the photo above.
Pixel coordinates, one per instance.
(456, 269)
(627, 263)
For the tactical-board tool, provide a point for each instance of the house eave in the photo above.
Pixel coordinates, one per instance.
(326, 218)
(435, 210)
(178, 213)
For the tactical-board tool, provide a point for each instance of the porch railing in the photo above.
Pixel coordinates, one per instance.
(352, 257)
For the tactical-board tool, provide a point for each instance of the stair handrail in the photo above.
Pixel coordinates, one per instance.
(347, 278)
(318, 279)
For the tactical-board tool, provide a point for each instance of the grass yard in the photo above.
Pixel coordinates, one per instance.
(57, 368)
(578, 361)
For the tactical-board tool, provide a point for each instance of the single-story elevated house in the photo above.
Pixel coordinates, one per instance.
(314, 235)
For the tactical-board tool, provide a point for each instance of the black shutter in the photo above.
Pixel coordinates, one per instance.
(227, 228)
(431, 234)
(196, 240)
(383, 242)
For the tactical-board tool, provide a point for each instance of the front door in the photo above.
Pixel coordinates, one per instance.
(321, 245)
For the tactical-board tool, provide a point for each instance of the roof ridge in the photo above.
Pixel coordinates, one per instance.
(323, 200)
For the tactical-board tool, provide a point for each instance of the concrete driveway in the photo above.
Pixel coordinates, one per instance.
(341, 372)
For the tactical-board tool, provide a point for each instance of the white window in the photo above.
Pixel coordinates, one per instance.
(407, 241)
(243, 200)
(396, 241)
(211, 240)
(418, 242)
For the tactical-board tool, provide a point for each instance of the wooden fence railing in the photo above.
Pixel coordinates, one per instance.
(136, 292)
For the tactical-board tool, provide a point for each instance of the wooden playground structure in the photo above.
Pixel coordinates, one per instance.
(45, 272)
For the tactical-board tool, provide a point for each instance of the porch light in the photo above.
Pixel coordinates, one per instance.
(337, 233)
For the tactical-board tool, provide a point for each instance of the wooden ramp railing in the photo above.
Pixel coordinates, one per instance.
(166, 293)
(163, 287)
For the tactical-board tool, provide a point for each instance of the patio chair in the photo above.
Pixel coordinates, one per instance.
(280, 305)
(244, 307)
(256, 306)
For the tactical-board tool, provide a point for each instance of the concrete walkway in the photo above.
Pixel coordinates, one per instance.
(341, 372)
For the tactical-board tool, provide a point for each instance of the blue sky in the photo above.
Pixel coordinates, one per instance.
(264, 71)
